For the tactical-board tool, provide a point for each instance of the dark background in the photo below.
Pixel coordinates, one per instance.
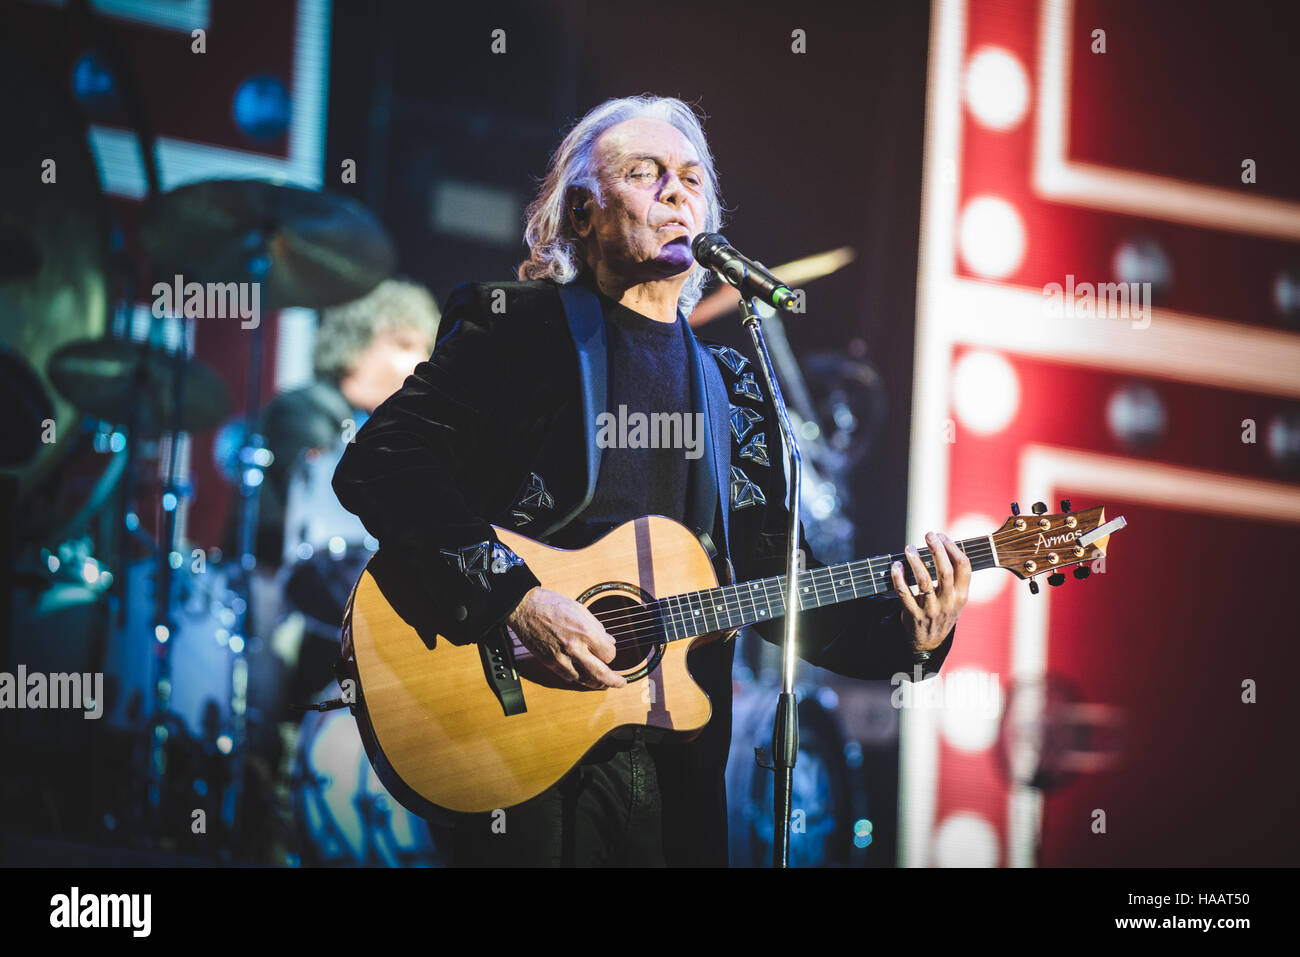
(814, 151)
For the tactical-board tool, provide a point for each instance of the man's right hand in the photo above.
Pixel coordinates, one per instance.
(565, 637)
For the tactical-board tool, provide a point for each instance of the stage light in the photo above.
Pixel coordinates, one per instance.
(985, 392)
(972, 709)
(1144, 260)
(162, 633)
(94, 85)
(966, 840)
(261, 108)
(1136, 416)
(992, 239)
(224, 744)
(236, 644)
(861, 832)
(1286, 294)
(90, 571)
(1284, 439)
(997, 88)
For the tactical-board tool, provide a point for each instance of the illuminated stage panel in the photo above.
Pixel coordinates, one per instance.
(1066, 404)
(1217, 350)
(1199, 85)
(1206, 779)
(1076, 215)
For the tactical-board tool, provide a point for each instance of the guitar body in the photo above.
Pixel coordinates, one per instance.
(437, 732)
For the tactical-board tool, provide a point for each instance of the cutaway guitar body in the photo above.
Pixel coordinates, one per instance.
(439, 735)
(484, 726)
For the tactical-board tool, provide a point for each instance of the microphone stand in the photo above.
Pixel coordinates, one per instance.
(785, 731)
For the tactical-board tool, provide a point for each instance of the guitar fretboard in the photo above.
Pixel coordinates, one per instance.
(691, 614)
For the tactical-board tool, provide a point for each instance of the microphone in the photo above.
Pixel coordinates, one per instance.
(712, 251)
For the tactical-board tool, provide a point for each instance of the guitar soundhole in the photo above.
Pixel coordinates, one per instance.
(637, 636)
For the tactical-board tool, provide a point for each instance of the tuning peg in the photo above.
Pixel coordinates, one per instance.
(1040, 508)
(1056, 578)
(1033, 587)
(1015, 508)
(1065, 505)
(1082, 571)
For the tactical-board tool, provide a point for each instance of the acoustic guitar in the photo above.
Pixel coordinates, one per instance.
(482, 726)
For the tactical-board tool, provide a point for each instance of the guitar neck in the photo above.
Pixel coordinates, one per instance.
(734, 606)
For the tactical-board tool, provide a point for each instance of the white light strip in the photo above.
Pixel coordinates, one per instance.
(927, 494)
(182, 15)
(1125, 191)
(1044, 468)
(1188, 348)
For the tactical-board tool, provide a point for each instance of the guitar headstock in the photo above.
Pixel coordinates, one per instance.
(1037, 544)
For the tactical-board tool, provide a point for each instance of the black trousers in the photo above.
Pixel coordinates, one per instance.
(607, 812)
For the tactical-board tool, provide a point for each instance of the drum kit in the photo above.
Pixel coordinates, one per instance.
(173, 628)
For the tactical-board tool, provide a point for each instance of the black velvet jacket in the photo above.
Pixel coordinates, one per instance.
(499, 427)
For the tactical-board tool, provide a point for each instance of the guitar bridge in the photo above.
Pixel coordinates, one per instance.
(498, 656)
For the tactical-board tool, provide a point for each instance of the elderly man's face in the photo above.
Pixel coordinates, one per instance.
(654, 201)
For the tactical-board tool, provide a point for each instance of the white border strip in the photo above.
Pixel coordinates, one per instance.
(1208, 352)
(928, 476)
(117, 151)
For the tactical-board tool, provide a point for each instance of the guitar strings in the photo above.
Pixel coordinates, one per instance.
(736, 592)
(633, 627)
(641, 623)
(828, 588)
(648, 622)
(977, 549)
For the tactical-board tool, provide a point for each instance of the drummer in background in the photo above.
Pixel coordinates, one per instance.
(364, 351)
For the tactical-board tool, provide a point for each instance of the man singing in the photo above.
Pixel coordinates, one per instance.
(499, 427)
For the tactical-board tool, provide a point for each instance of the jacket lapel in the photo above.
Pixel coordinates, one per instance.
(710, 478)
(587, 326)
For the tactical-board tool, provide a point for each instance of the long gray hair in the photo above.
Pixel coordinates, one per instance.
(555, 251)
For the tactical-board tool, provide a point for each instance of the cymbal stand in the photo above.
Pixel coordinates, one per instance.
(254, 458)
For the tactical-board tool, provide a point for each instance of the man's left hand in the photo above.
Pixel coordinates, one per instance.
(931, 613)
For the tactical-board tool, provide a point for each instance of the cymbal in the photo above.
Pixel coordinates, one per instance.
(724, 299)
(322, 249)
(53, 250)
(105, 376)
